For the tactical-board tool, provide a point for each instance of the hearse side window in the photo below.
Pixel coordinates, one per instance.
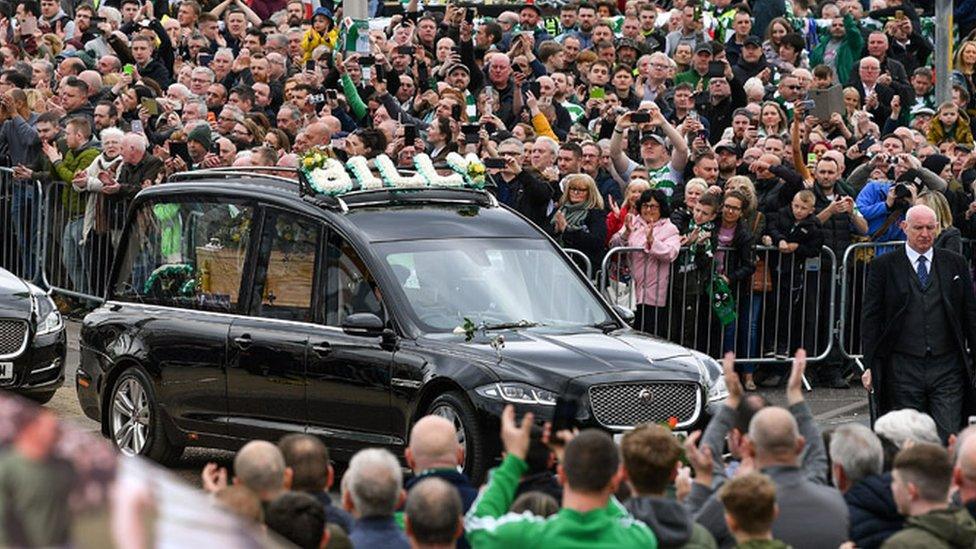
(285, 271)
(188, 254)
(350, 288)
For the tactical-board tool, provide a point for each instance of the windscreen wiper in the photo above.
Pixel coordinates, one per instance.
(607, 326)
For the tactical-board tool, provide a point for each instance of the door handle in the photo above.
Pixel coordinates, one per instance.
(322, 348)
(243, 341)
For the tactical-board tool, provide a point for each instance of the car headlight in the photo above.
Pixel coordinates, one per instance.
(717, 390)
(517, 393)
(48, 317)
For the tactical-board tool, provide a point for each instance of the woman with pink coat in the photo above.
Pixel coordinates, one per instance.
(650, 228)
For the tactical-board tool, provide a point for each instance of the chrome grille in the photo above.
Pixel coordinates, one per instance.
(13, 337)
(625, 405)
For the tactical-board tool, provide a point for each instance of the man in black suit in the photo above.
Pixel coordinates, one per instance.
(919, 314)
(877, 89)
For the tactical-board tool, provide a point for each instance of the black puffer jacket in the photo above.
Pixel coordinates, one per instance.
(740, 261)
(874, 515)
(773, 194)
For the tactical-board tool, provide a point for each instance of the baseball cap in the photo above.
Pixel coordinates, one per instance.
(458, 66)
(922, 109)
(729, 146)
(705, 47)
(752, 41)
(322, 10)
(648, 136)
(531, 6)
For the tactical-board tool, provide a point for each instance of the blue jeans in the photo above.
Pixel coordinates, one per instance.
(742, 335)
(73, 256)
(24, 217)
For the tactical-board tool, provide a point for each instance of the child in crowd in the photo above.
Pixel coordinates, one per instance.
(750, 509)
(950, 125)
(688, 297)
(799, 236)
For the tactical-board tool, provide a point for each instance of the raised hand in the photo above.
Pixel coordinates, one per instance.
(515, 437)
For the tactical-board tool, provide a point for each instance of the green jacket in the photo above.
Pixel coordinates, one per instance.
(72, 162)
(848, 53)
(936, 529)
(489, 524)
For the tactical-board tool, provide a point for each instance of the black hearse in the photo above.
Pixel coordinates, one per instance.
(242, 307)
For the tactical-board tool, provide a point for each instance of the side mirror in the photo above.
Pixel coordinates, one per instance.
(363, 324)
(624, 313)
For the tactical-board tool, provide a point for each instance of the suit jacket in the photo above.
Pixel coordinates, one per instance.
(886, 298)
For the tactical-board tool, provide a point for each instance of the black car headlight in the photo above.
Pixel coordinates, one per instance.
(48, 318)
(517, 393)
(717, 390)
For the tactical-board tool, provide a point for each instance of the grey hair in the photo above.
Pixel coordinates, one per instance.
(111, 14)
(225, 51)
(199, 101)
(138, 138)
(907, 424)
(112, 132)
(374, 480)
(179, 89)
(206, 71)
(513, 142)
(549, 142)
(858, 450)
(260, 466)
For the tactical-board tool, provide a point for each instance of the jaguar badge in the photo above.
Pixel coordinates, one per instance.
(645, 396)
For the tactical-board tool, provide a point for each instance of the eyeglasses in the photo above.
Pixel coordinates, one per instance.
(579, 189)
(650, 206)
(796, 87)
(660, 66)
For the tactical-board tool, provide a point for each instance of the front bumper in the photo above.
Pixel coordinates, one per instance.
(490, 410)
(40, 368)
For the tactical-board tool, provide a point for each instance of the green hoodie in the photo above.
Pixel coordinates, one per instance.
(936, 529)
(489, 524)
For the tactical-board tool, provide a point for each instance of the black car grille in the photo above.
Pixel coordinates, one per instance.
(13, 335)
(622, 405)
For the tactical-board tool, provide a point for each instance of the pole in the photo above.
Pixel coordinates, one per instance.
(359, 9)
(943, 50)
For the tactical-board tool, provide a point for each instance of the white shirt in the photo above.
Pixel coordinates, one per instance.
(913, 258)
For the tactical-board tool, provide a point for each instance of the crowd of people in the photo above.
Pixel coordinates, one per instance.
(684, 129)
(782, 483)
(689, 133)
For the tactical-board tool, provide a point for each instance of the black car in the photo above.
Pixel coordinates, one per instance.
(241, 308)
(32, 340)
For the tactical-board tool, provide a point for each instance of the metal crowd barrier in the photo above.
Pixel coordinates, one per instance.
(81, 233)
(580, 260)
(20, 218)
(795, 308)
(853, 276)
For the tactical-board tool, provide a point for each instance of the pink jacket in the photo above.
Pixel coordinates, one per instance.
(651, 269)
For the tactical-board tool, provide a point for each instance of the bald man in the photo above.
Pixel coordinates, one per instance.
(434, 451)
(775, 446)
(964, 470)
(919, 317)
(260, 466)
